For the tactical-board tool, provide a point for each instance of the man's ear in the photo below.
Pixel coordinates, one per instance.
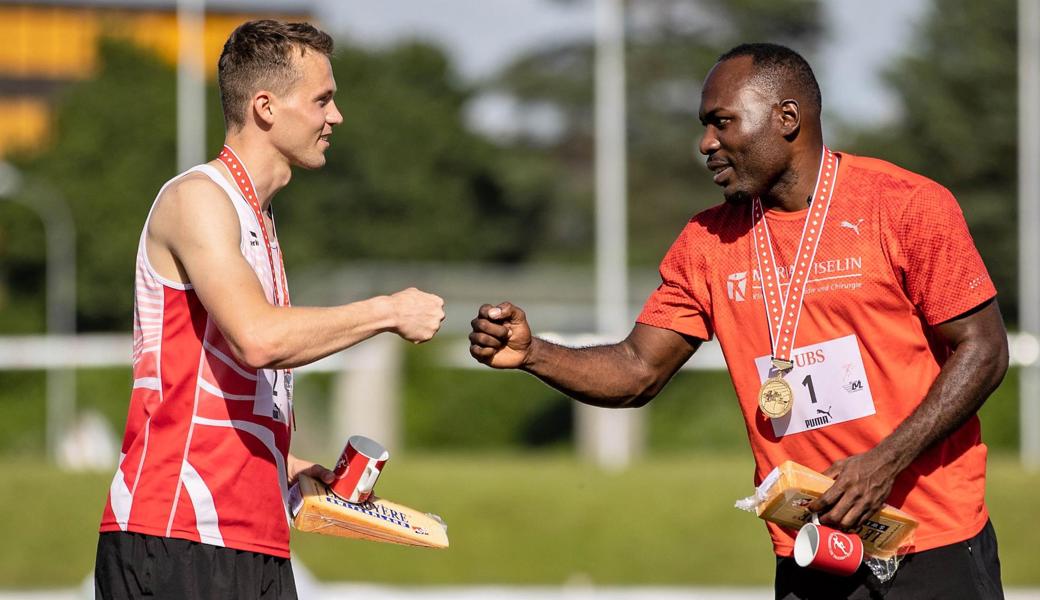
(263, 107)
(790, 117)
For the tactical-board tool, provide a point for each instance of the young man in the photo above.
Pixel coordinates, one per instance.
(858, 323)
(197, 507)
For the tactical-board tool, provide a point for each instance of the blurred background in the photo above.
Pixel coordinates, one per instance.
(537, 151)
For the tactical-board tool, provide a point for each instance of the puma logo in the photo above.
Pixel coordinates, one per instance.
(825, 412)
(852, 226)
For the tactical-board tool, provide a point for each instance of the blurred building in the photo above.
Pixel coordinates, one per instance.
(47, 44)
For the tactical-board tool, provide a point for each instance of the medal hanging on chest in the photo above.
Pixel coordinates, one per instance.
(281, 292)
(775, 397)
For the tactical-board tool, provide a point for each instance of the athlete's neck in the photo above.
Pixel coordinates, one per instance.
(797, 183)
(267, 167)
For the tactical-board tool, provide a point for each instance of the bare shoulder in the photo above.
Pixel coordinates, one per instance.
(192, 203)
(194, 191)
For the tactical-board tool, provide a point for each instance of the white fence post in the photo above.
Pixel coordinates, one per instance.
(367, 392)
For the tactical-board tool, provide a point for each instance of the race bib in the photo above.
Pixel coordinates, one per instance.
(829, 383)
(272, 400)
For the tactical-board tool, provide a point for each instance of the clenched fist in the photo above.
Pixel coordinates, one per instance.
(417, 314)
(501, 337)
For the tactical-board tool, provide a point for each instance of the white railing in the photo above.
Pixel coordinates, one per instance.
(368, 375)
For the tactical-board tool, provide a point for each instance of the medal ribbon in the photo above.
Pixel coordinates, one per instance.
(245, 186)
(281, 294)
(783, 311)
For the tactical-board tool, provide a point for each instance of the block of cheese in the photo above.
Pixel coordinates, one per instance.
(790, 487)
(315, 507)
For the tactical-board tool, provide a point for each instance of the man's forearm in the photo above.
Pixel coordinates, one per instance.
(294, 336)
(964, 382)
(609, 376)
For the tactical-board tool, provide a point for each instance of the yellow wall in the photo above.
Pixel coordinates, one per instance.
(24, 123)
(59, 43)
(47, 42)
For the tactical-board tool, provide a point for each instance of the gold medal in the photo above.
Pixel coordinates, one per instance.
(775, 398)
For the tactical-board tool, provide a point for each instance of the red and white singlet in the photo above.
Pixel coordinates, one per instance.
(203, 456)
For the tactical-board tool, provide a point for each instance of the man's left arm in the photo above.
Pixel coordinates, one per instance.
(976, 367)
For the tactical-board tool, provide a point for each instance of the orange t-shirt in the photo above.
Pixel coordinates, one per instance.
(895, 259)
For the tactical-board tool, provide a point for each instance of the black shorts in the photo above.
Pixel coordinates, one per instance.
(965, 570)
(134, 565)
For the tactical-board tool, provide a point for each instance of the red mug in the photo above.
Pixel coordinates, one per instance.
(828, 549)
(358, 469)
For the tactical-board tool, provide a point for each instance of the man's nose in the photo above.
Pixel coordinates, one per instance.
(334, 117)
(709, 142)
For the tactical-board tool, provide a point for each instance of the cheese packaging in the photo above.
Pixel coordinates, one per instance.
(316, 508)
(783, 495)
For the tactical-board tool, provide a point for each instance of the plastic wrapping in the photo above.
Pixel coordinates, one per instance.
(784, 494)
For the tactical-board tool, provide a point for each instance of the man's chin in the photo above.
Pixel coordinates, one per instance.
(310, 163)
(736, 196)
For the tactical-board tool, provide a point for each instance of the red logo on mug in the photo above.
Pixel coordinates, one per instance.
(840, 546)
(844, 552)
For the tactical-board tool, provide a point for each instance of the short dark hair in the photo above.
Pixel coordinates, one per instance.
(259, 55)
(779, 67)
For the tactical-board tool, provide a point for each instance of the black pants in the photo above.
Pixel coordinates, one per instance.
(965, 570)
(134, 565)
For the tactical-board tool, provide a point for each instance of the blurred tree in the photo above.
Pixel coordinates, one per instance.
(115, 142)
(405, 180)
(670, 46)
(22, 308)
(959, 124)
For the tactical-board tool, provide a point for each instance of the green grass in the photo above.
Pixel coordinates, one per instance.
(532, 518)
(547, 519)
(515, 516)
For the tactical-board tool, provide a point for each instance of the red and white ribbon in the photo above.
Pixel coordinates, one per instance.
(245, 185)
(783, 311)
(281, 293)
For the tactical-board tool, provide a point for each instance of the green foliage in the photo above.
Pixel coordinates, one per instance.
(767, 20)
(1000, 415)
(22, 395)
(115, 144)
(405, 179)
(446, 409)
(22, 308)
(696, 412)
(479, 409)
(959, 124)
(671, 45)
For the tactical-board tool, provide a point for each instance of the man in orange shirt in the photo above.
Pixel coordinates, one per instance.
(858, 322)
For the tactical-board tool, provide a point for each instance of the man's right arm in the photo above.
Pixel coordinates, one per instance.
(194, 236)
(626, 374)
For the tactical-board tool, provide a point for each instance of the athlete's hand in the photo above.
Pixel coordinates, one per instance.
(862, 483)
(294, 466)
(501, 337)
(417, 314)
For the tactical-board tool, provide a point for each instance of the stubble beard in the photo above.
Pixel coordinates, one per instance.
(738, 197)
